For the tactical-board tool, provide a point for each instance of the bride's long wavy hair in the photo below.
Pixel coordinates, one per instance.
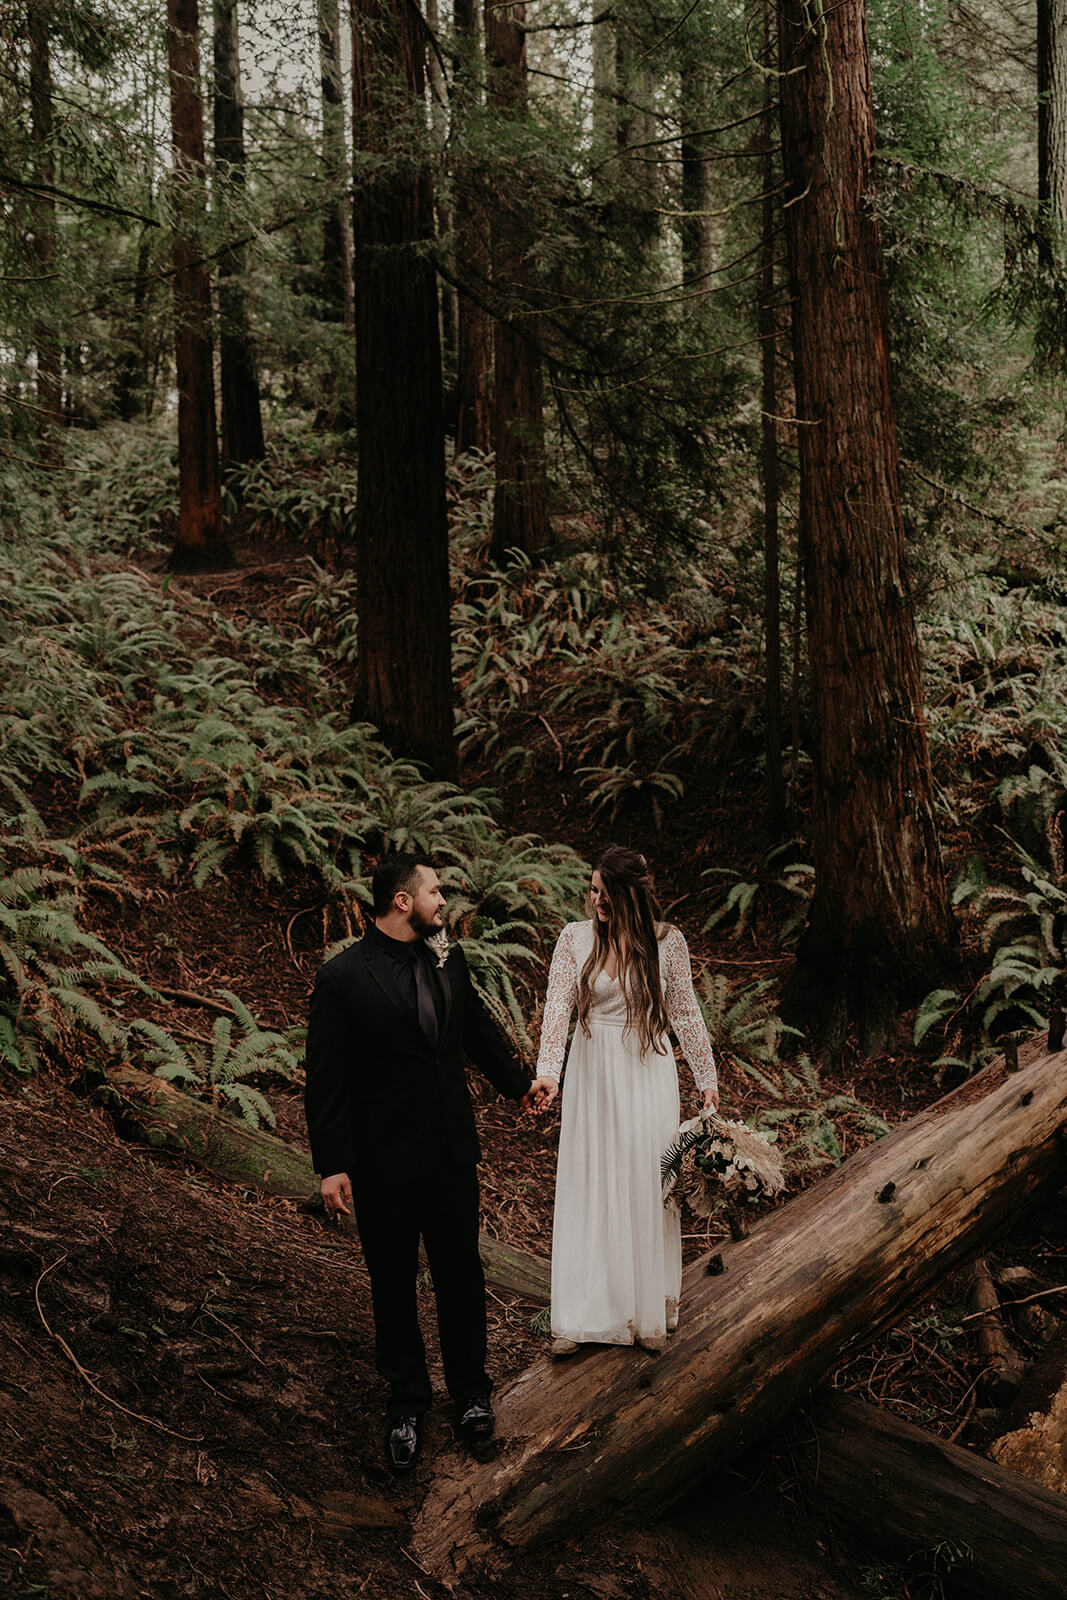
(635, 930)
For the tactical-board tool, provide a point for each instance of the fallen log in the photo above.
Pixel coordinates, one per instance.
(986, 1529)
(615, 1430)
(1005, 1368)
(253, 1159)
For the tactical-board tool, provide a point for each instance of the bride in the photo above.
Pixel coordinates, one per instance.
(616, 1252)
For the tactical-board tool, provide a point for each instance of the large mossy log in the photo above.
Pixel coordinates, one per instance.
(253, 1159)
(984, 1529)
(613, 1431)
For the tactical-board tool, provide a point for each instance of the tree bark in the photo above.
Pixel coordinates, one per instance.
(131, 377)
(614, 1432)
(474, 328)
(201, 541)
(989, 1531)
(520, 511)
(697, 237)
(879, 925)
(168, 1118)
(337, 290)
(49, 385)
(242, 420)
(404, 671)
(1052, 129)
(767, 322)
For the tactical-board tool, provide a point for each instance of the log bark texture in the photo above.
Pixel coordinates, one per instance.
(997, 1535)
(253, 1159)
(611, 1429)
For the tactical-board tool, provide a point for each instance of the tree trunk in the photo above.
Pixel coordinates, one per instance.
(131, 377)
(604, 49)
(474, 329)
(879, 925)
(337, 291)
(613, 1432)
(404, 671)
(201, 541)
(168, 1118)
(1052, 129)
(43, 248)
(986, 1530)
(698, 244)
(520, 513)
(767, 322)
(242, 422)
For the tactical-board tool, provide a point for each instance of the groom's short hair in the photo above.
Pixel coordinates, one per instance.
(394, 874)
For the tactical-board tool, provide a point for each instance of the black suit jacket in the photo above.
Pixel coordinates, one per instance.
(379, 1095)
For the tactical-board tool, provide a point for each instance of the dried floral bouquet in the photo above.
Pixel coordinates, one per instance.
(717, 1165)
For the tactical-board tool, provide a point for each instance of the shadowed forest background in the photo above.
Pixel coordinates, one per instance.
(499, 434)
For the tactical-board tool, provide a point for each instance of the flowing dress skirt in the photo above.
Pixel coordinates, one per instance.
(616, 1252)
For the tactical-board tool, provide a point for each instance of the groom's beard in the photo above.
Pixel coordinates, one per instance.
(421, 927)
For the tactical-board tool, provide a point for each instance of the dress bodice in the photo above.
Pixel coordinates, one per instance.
(608, 1007)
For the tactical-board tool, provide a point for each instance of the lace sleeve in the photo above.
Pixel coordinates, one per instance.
(684, 1011)
(560, 1003)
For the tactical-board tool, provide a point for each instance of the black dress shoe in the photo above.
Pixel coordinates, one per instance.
(476, 1419)
(402, 1443)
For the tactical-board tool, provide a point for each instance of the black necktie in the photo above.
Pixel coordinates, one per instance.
(424, 999)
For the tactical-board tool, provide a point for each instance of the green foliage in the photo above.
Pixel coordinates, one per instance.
(811, 1122)
(784, 881)
(227, 1064)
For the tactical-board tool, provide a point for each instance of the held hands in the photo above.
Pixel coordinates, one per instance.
(337, 1195)
(540, 1095)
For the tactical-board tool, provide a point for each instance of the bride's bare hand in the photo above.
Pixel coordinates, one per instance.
(540, 1095)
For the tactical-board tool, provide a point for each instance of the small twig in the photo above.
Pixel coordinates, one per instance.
(215, 1318)
(189, 997)
(548, 728)
(188, 1438)
(972, 1401)
(1039, 1294)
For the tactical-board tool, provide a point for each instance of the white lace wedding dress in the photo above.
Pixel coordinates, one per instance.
(616, 1251)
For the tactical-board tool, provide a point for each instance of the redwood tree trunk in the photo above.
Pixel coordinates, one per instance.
(474, 328)
(242, 421)
(1052, 128)
(201, 540)
(43, 252)
(768, 332)
(520, 515)
(404, 675)
(879, 924)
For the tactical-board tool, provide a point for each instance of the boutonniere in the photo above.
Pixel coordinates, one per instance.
(441, 945)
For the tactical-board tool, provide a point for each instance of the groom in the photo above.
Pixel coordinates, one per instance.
(392, 1134)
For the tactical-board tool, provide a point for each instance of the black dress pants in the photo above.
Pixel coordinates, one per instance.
(438, 1203)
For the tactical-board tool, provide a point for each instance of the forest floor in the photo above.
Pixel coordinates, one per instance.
(190, 1402)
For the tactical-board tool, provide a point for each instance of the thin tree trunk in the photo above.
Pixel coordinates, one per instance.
(474, 329)
(879, 926)
(43, 252)
(404, 674)
(612, 1433)
(131, 378)
(1052, 129)
(696, 230)
(605, 113)
(768, 333)
(337, 291)
(520, 512)
(201, 541)
(242, 421)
